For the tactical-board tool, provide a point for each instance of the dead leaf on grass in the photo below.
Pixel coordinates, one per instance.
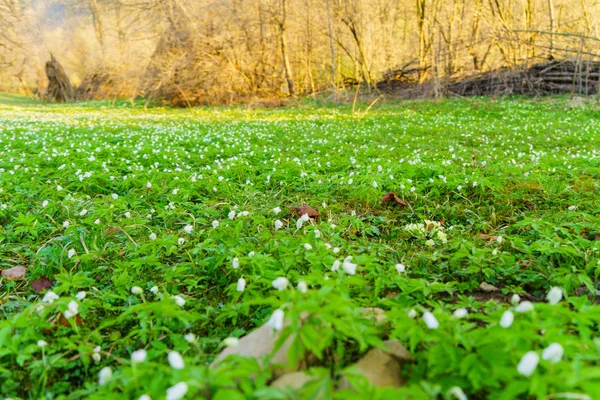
(13, 273)
(40, 284)
(305, 209)
(488, 237)
(62, 320)
(391, 197)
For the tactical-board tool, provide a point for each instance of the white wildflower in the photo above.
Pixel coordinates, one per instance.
(179, 300)
(457, 393)
(348, 266)
(336, 265)
(280, 283)
(241, 285)
(302, 287)
(553, 353)
(72, 309)
(276, 320)
(177, 391)
(528, 363)
(138, 356)
(515, 299)
(190, 338)
(507, 319)
(524, 306)
(430, 320)
(137, 290)
(554, 296)
(50, 297)
(104, 376)
(175, 360)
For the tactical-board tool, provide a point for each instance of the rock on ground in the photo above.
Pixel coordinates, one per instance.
(260, 344)
(382, 368)
(293, 380)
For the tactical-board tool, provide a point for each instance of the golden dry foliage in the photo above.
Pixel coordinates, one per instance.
(192, 52)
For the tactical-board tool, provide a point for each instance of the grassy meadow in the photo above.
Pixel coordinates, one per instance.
(167, 234)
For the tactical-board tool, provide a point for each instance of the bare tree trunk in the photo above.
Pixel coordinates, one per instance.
(422, 52)
(97, 19)
(309, 48)
(529, 14)
(331, 46)
(284, 48)
(551, 17)
(119, 21)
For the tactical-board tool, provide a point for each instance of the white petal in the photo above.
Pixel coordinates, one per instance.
(528, 363)
(430, 320)
(175, 360)
(177, 391)
(553, 353)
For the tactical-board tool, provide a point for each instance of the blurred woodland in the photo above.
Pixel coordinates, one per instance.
(190, 52)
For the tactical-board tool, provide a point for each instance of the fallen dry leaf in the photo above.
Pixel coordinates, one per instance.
(62, 320)
(485, 236)
(112, 230)
(305, 209)
(40, 284)
(13, 273)
(392, 198)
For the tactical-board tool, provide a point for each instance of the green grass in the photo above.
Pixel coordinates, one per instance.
(514, 183)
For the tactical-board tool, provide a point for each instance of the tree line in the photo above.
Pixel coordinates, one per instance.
(209, 51)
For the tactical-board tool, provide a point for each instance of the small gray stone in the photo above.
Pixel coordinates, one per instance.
(486, 287)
